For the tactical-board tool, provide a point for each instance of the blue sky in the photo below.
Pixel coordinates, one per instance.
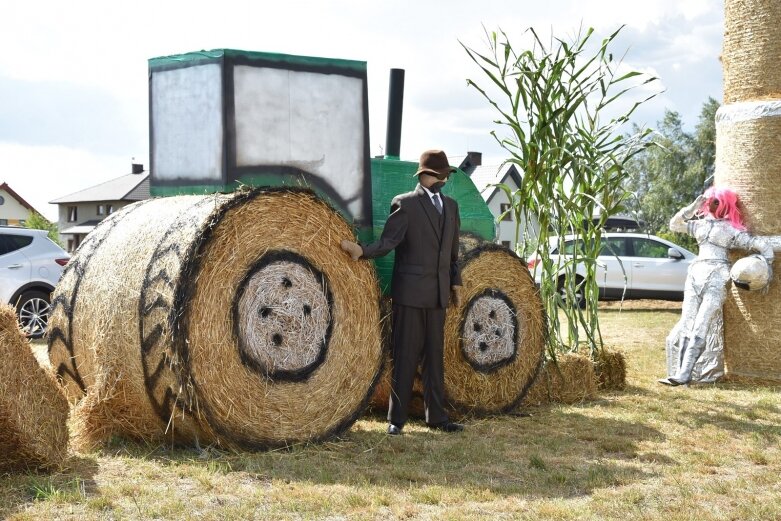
(74, 84)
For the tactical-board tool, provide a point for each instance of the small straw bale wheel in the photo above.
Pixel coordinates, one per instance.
(33, 410)
(495, 342)
(232, 319)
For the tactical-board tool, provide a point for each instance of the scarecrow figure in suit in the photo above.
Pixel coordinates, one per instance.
(423, 229)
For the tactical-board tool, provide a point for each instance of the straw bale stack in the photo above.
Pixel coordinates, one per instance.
(33, 410)
(495, 342)
(571, 379)
(231, 319)
(752, 48)
(748, 138)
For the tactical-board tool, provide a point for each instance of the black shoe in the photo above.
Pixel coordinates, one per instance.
(447, 426)
(394, 430)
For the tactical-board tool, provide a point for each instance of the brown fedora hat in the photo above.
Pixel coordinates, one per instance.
(434, 162)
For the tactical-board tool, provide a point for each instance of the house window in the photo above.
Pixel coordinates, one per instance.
(22, 222)
(72, 214)
(3, 222)
(505, 207)
(109, 209)
(506, 244)
(101, 209)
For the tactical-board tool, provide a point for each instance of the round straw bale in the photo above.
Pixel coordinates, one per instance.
(752, 47)
(232, 319)
(610, 369)
(33, 410)
(568, 379)
(494, 342)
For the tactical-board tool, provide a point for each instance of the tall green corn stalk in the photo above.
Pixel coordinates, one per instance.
(552, 103)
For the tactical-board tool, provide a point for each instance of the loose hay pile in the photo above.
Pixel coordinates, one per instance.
(230, 319)
(33, 410)
(570, 379)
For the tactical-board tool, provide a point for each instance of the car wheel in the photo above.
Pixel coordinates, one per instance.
(33, 312)
(579, 298)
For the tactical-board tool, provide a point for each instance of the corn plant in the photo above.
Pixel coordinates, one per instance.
(561, 123)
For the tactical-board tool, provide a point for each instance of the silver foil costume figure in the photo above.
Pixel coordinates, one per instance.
(695, 345)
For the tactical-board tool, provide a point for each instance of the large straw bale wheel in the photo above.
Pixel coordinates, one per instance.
(494, 343)
(33, 410)
(232, 319)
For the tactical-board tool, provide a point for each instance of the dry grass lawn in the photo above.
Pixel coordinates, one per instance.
(649, 452)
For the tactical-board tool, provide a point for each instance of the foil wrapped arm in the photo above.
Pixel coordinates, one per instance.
(746, 241)
(679, 221)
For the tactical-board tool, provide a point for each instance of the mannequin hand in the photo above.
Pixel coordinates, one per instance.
(352, 248)
(690, 211)
(456, 296)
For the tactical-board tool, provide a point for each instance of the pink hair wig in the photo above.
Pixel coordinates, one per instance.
(727, 206)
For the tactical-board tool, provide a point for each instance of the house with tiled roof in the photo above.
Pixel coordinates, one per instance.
(14, 210)
(81, 211)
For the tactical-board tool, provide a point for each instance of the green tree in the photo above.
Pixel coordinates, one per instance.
(37, 221)
(671, 173)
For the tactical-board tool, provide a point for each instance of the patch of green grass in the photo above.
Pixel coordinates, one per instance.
(536, 462)
(43, 488)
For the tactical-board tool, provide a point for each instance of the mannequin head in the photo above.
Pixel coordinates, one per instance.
(722, 203)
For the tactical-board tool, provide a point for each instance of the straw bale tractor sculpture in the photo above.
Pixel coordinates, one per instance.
(235, 318)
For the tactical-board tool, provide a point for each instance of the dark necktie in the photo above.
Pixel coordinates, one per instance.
(437, 203)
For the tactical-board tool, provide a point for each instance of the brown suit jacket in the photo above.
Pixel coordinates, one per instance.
(426, 253)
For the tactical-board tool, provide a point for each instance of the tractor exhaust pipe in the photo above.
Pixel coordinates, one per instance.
(395, 106)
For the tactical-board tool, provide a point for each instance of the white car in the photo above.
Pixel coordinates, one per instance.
(30, 266)
(630, 265)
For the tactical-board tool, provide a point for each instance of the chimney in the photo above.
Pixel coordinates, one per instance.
(395, 106)
(138, 168)
(471, 161)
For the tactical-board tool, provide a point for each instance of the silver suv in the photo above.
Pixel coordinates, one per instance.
(630, 266)
(30, 266)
